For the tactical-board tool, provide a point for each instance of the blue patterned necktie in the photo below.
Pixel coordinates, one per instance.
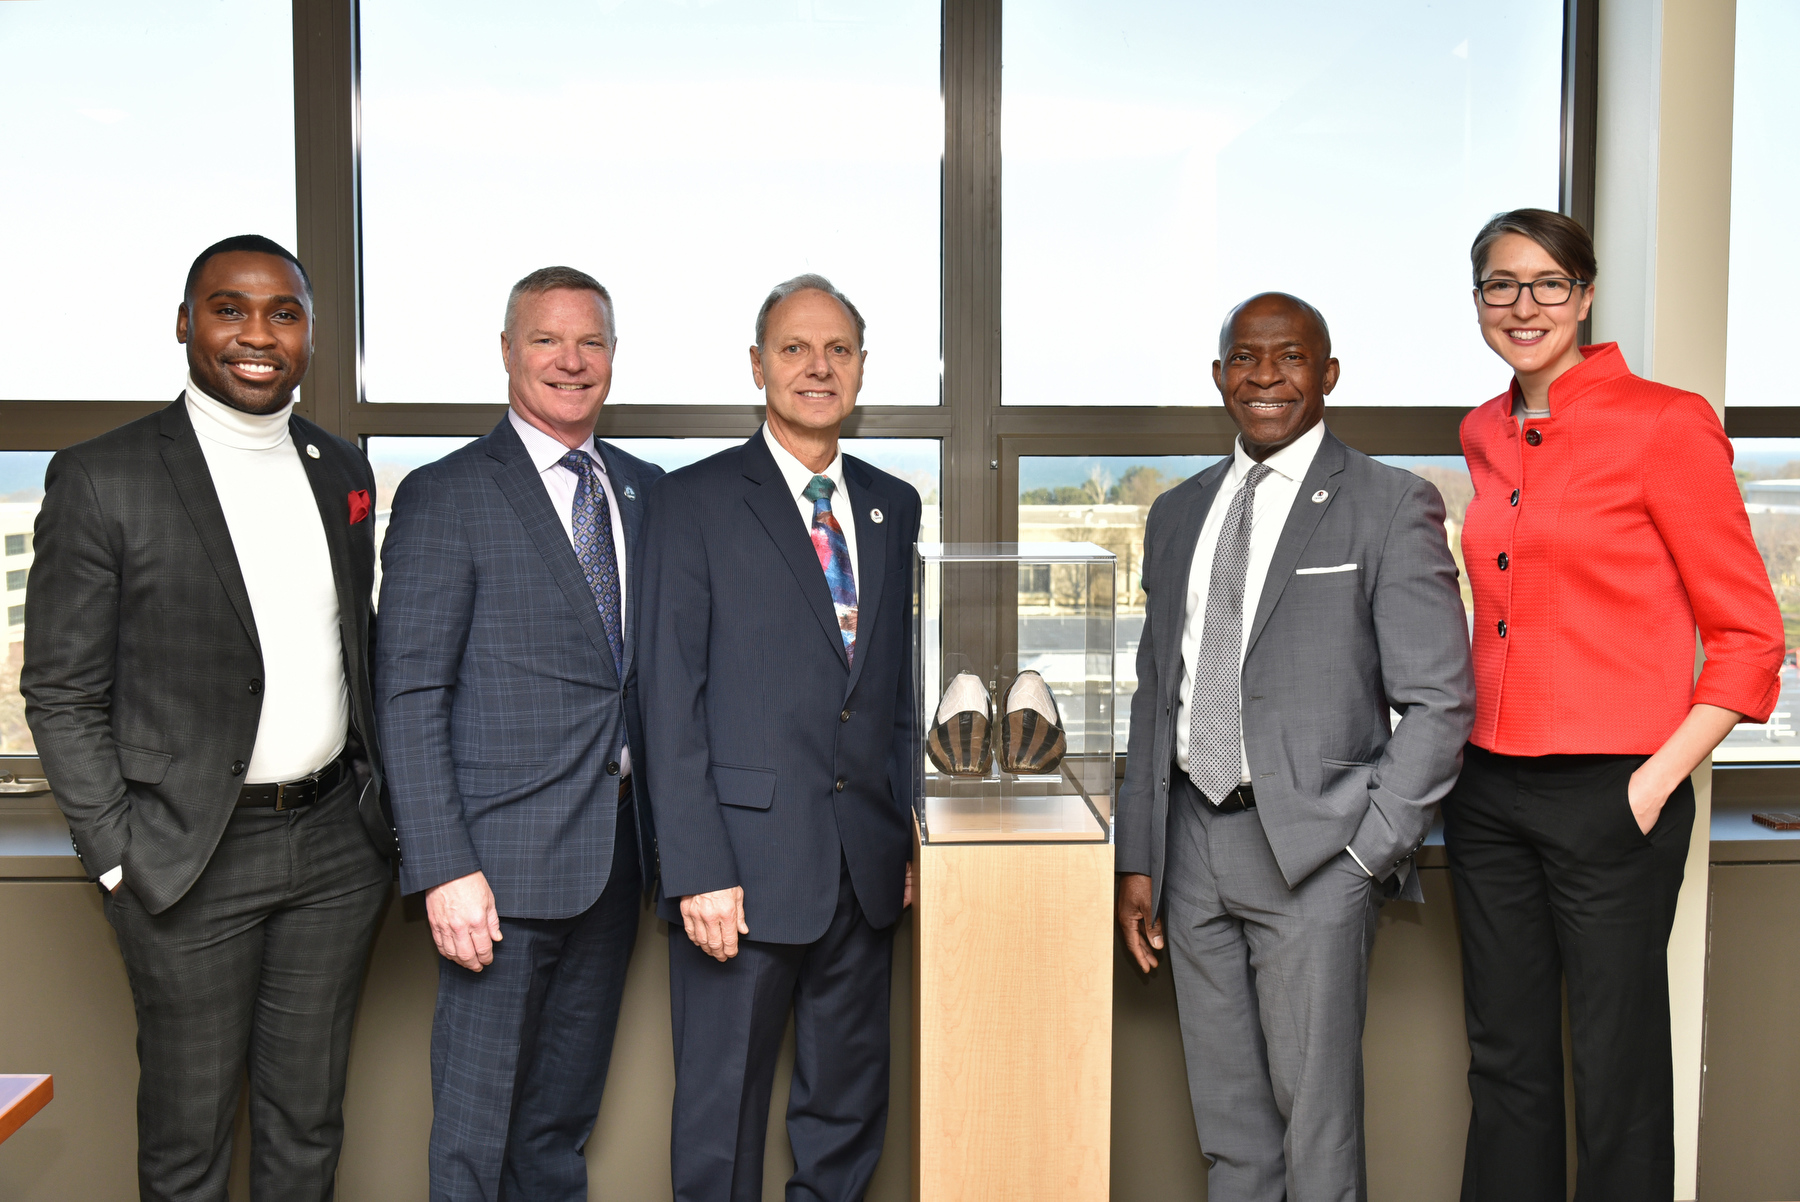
(591, 528)
(1215, 716)
(834, 557)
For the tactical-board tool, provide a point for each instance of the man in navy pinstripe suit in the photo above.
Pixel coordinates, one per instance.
(504, 678)
(778, 724)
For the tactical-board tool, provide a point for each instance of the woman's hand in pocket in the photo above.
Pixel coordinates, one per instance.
(1647, 795)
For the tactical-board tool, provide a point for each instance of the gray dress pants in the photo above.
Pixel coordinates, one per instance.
(1272, 986)
(257, 967)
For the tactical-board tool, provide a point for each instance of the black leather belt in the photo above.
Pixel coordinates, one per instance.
(292, 794)
(624, 787)
(1238, 800)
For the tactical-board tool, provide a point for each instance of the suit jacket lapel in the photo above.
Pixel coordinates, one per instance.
(1297, 531)
(517, 477)
(628, 495)
(331, 493)
(871, 558)
(1171, 605)
(194, 485)
(774, 507)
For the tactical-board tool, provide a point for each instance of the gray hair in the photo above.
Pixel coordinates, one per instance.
(810, 282)
(548, 279)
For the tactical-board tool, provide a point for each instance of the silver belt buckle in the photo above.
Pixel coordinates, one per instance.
(281, 789)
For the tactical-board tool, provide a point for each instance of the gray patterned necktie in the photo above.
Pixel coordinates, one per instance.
(590, 529)
(1215, 715)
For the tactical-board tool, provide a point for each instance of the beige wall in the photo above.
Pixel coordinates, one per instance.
(66, 1010)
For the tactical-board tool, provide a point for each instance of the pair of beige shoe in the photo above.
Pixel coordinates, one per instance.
(1032, 741)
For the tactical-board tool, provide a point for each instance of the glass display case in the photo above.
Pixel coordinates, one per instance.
(1013, 647)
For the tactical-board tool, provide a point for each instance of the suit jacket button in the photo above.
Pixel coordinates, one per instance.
(1501, 627)
(612, 767)
(1515, 496)
(1504, 561)
(840, 784)
(237, 767)
(1534, 437)
(255, 687)
(844, 717)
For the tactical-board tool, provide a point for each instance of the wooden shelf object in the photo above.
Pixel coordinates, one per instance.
(21, 1096)
(1012, 1040)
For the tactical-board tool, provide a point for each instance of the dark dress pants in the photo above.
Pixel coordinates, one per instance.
(1555, 882)
(729, 1019)
(519, 1050)
(257, 967)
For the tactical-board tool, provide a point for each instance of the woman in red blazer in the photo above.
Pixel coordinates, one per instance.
(1606, 529)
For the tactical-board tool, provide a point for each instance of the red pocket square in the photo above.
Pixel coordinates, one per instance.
(359, 505)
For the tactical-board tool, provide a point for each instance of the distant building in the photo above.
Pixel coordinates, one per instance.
(16, 520)
(1772, 496)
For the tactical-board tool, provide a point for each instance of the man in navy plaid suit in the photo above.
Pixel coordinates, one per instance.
(504, 678)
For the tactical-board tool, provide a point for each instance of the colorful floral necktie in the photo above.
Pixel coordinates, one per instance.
(834, 556)
(591, 528)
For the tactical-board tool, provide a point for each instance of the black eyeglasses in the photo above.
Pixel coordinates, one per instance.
(1551, 290)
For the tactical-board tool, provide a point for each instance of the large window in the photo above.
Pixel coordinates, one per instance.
(1763, 310)
(1765, 178)
(135, 135)
(688, 156)
(1042, 207)
(1164, 159)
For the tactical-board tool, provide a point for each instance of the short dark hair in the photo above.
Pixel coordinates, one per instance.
(255, 244)
(549, 279)
(810, 282)
(1292, 301)
(1563, 238)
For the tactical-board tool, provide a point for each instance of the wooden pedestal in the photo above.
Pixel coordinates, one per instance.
(1012, 1044)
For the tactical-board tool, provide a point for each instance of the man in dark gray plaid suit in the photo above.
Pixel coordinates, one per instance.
(504, 679)
(196, 676)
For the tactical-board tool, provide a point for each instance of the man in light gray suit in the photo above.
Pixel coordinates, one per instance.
(1293, 594)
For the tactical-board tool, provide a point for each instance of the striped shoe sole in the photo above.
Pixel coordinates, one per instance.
(1030, 744)
(962, 746)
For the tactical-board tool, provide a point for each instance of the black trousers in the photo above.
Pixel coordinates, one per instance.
(519, 1050)
(1555, 883)
(728, 1022)
(258, 967)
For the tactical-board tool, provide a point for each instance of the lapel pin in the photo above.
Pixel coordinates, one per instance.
(1320, 496)
(875, 516)
(312, 450)
(630, 493)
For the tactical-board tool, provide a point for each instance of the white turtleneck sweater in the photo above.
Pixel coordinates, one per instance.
(281, 550)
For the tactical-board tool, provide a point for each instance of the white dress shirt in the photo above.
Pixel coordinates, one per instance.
(547, 455)
(798, 476)
(1275, 496)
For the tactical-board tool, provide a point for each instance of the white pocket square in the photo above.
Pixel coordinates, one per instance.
(1342, 567)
